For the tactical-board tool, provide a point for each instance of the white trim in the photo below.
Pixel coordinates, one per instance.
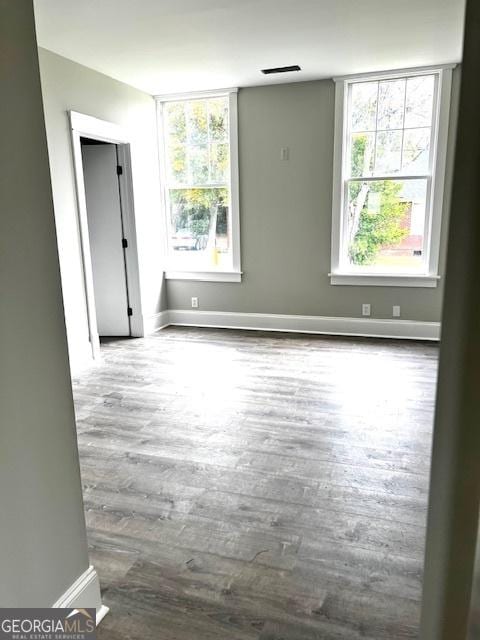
(101, 614)
(438, 177)
(435, 195)
(406, 71)
(175, 264)
(234, 183)
(85, 245)
(162, 183)
(360, 327)
(208, 93)
(338, 178)
(155, 322)
(205, 276)
(84, 593)
(383, 280)
(87, 126)
(91, 127)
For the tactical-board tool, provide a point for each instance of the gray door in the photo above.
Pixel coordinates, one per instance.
(105, 234)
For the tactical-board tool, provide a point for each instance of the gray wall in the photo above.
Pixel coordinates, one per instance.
(43, 546)
(455, 471)
(285, 216)
(66, 86)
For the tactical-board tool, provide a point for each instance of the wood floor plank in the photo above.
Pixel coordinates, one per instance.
(255, 486)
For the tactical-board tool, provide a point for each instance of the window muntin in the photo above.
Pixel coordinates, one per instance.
(197, 176)
(388, 165)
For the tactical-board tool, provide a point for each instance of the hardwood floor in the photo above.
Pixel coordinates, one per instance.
(252, 486)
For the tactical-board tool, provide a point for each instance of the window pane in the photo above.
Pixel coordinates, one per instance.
(198, 164)
(218, 119)
(197, 190)
(219, 163)
(388, 152)
(419, 104)
(362, 149)
(391, 103)
(386, 220)
(364, 106)
(177, 163)
(197, 128)
(176, 122)
(199, 221)
(416, 150)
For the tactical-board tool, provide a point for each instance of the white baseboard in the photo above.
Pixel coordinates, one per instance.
(155, 322)
(360, 327)
(84, 593)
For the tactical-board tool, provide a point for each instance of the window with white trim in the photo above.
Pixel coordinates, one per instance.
(200, 185)
(390, 146)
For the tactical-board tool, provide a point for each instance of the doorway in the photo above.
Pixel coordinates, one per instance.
(101, 173)
(102, 165)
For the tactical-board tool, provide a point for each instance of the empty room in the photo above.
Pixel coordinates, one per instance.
(240, 247)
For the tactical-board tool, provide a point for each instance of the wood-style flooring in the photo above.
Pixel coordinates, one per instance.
(255, 486)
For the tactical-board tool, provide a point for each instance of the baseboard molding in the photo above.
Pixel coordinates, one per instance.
(155, 322)
(84, 593)
(360, 327)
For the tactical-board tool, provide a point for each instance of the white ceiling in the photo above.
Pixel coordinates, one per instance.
(166, 46)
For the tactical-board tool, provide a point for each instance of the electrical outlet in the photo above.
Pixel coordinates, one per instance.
(195, 303)
(396, 311)
(284, 153)
(366, 309)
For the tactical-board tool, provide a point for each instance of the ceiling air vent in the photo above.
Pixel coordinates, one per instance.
(293, 67)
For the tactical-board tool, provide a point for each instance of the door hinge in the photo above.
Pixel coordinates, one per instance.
(119, 170)
(124, 243)
(129, 311)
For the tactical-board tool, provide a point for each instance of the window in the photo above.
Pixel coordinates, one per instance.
(200, 184)
(390, 146)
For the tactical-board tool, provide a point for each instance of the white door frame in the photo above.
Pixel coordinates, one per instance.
(89, 127)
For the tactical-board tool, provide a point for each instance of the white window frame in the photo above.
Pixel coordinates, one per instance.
(340, 273)
(174, 269)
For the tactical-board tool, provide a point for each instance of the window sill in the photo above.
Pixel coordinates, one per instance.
(383, 280)
(205, 276)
